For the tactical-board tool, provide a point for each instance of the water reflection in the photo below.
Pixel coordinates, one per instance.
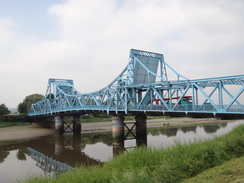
(213, 128)
(166, 137)
(50, 167)
(64, 149)
(3, 156)
(21, 154)
(92, 149)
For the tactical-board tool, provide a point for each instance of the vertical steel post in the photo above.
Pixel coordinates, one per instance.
(170, 97)
(193, 98)
(220, 95)
(59, 125)
(76, 124)
(141, 129)
(139, 91)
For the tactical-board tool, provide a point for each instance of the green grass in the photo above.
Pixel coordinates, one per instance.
(6, 124)
(170, 165)
(231, 171)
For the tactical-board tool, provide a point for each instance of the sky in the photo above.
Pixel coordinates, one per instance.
(89, 41)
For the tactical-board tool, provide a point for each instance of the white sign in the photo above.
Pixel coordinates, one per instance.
(147, 54)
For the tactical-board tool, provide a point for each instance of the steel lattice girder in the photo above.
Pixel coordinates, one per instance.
(137, 88)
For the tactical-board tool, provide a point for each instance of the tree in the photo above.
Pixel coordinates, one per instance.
(3, 110)
(25, 106)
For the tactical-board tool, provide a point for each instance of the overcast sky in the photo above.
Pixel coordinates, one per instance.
(89, 41)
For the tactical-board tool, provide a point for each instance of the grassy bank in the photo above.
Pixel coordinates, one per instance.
(231, 171)
(151, 165)
(5, 124)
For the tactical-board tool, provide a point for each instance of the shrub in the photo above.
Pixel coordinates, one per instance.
(13, 118)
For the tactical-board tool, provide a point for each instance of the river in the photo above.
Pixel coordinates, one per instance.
(52, 155)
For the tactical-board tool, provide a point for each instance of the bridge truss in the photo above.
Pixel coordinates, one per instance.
(144, 86)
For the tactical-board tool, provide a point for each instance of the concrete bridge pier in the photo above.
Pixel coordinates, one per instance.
(59, 125)
(76, 124)
(141, 129)
(118, 134)
(118, 129)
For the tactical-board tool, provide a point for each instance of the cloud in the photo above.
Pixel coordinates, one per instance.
(201, 31)
(199, 39)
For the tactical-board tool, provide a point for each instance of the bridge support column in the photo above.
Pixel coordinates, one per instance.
(118, 133)
(141, 129)
(59, 125)
(76, 124)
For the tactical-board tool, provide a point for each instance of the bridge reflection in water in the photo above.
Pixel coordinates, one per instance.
(51, 167)
(66, 153)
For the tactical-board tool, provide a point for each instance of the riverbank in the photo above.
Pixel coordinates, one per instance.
(12, 133)
(35, 130)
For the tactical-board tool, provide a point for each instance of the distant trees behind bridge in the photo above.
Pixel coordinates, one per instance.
(23, 109)
(25, 106)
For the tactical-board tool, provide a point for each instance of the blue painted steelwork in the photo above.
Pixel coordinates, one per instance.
(144, 86)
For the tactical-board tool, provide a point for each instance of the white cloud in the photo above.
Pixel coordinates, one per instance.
(198, 38)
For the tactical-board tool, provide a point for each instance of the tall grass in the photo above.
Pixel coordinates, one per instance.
(168, 165)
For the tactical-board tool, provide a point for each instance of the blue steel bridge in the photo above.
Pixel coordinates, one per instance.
(150, 86)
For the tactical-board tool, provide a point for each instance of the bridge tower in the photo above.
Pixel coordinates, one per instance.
(56, 94)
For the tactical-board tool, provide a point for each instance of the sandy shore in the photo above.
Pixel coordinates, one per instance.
(34, 130)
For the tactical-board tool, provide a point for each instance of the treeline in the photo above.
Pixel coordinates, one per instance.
(13, 118)
(23, 108)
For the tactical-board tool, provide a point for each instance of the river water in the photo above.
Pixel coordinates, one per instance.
(52, 155)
